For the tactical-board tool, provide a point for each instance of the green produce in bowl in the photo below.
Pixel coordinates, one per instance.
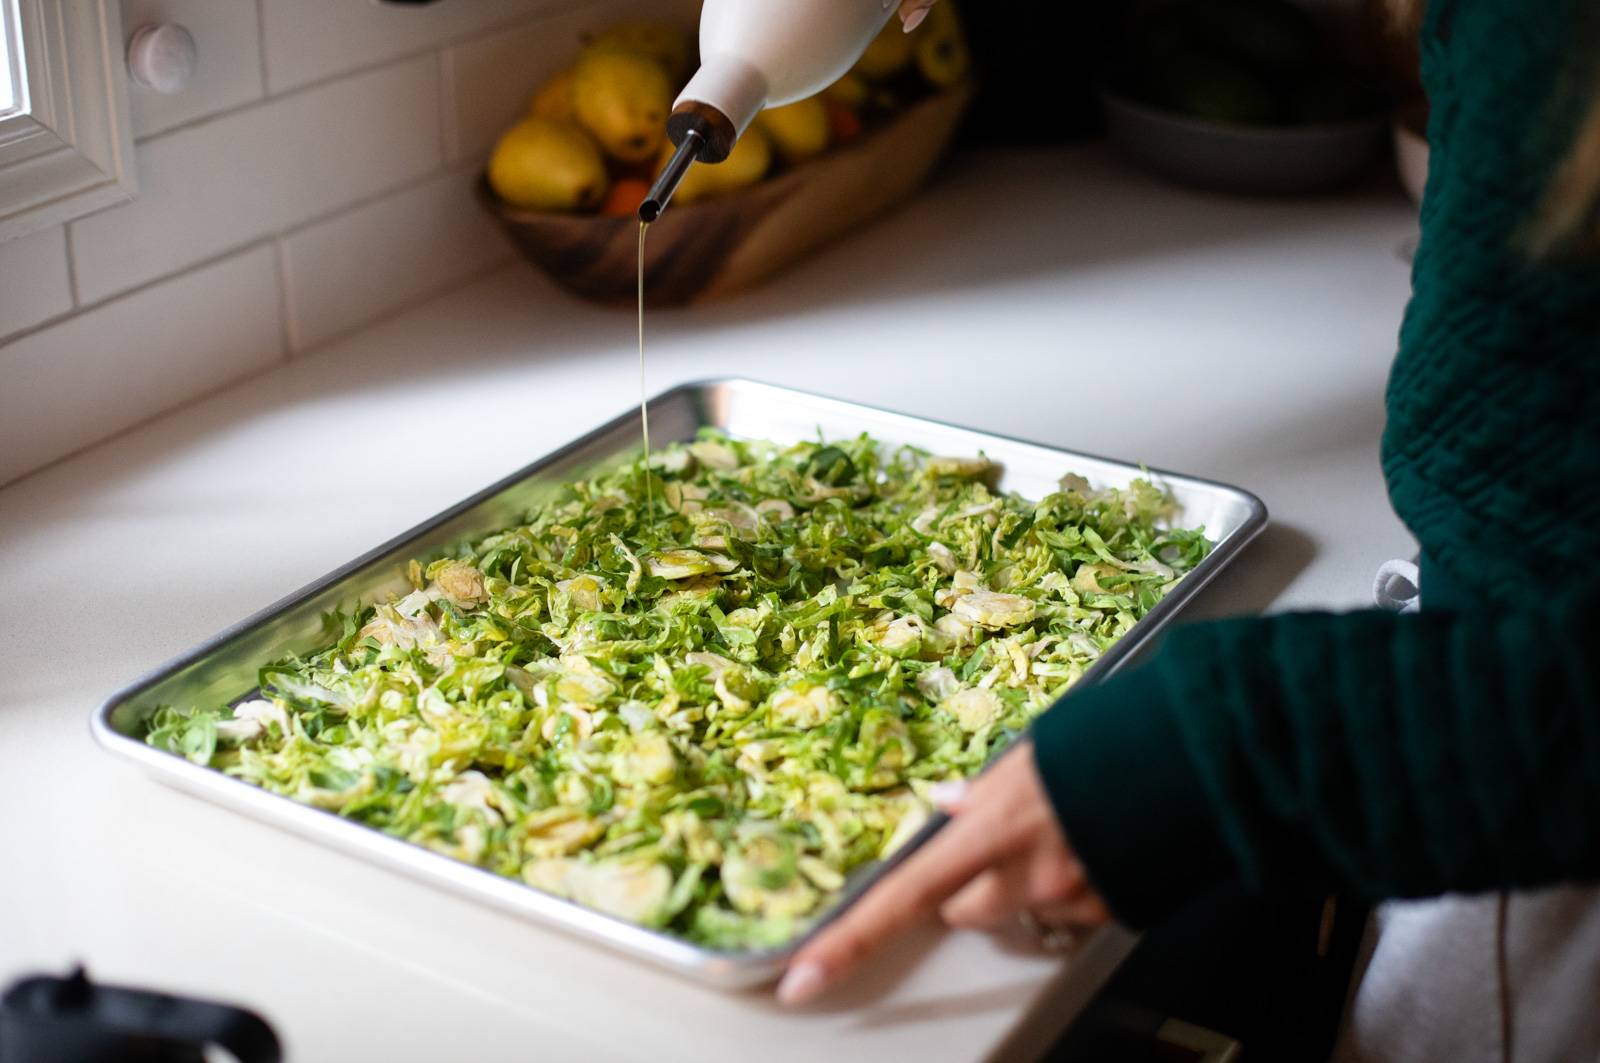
(1243, 62)
(1206, 86)
(1274, 38)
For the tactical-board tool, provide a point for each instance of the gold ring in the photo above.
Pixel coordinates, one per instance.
(1056, 939)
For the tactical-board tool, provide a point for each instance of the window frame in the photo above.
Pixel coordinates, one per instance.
(66, 148)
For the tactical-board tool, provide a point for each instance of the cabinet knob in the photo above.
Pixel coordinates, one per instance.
(162, 57)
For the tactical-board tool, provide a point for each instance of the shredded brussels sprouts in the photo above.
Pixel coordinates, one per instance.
(702, 711)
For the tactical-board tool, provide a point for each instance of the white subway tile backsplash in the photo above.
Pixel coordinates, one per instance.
(244, 175)
(227, 75)
(307, 40)
(384, 256)
(495, 76)
(108, 368)
(34, 284)
(315, 175)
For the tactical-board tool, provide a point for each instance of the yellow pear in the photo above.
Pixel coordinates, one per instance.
(544, 164)
(887, 55)
(669, 45)
(623, 99)
(849, 90)
(555, 99)
(941, 47)
(799, 130)
(746, 164)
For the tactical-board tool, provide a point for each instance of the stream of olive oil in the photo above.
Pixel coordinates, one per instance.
(644, 409)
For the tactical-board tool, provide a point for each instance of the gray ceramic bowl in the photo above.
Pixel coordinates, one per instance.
(1254, 160)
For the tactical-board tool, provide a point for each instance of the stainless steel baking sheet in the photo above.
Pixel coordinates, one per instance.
(224, 668)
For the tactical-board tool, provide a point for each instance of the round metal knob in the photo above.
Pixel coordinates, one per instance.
(162, 57)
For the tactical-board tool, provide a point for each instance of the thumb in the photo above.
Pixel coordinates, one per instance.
(949, 796)
(912, 12)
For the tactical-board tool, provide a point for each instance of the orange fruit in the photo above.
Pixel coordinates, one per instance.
(843, 123)
(626, 195)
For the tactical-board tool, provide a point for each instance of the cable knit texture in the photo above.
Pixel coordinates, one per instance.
(1403, 756)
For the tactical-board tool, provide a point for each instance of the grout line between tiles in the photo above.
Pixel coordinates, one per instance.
(158, 415)
(409, 185)
(262, 101)
(440, 47)
(493, 30)
(266, 98)
(230, 112)
(280, 272)
(261, 47)
(427, 297)
(72, 271)
(127, 293)
(449, 133)
(268, 95)
(239, 381)
(38, 326)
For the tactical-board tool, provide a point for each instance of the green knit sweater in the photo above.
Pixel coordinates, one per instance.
(1398, 756)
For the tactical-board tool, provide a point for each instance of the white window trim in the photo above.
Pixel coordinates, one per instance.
(13, 89)
(69, 149)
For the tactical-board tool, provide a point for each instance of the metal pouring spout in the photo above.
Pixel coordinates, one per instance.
(666, 184)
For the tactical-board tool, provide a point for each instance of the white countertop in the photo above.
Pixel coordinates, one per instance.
(1052, 295)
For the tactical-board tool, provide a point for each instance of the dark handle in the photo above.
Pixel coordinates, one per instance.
(69, 1019)
(202, 1022)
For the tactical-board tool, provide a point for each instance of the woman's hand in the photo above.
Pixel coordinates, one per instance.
(1001, 858)
(912, 12)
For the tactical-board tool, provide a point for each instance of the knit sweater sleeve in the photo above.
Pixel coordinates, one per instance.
(1396, 756)
(1375, 754)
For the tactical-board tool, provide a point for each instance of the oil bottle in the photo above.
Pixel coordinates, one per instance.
(756, 54)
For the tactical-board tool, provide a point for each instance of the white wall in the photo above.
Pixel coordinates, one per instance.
(314, 177)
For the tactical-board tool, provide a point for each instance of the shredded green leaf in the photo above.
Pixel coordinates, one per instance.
(702, 712)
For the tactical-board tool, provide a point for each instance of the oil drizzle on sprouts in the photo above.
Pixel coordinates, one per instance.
(644, 409)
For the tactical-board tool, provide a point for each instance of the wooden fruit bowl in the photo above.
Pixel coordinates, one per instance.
(717, 246)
